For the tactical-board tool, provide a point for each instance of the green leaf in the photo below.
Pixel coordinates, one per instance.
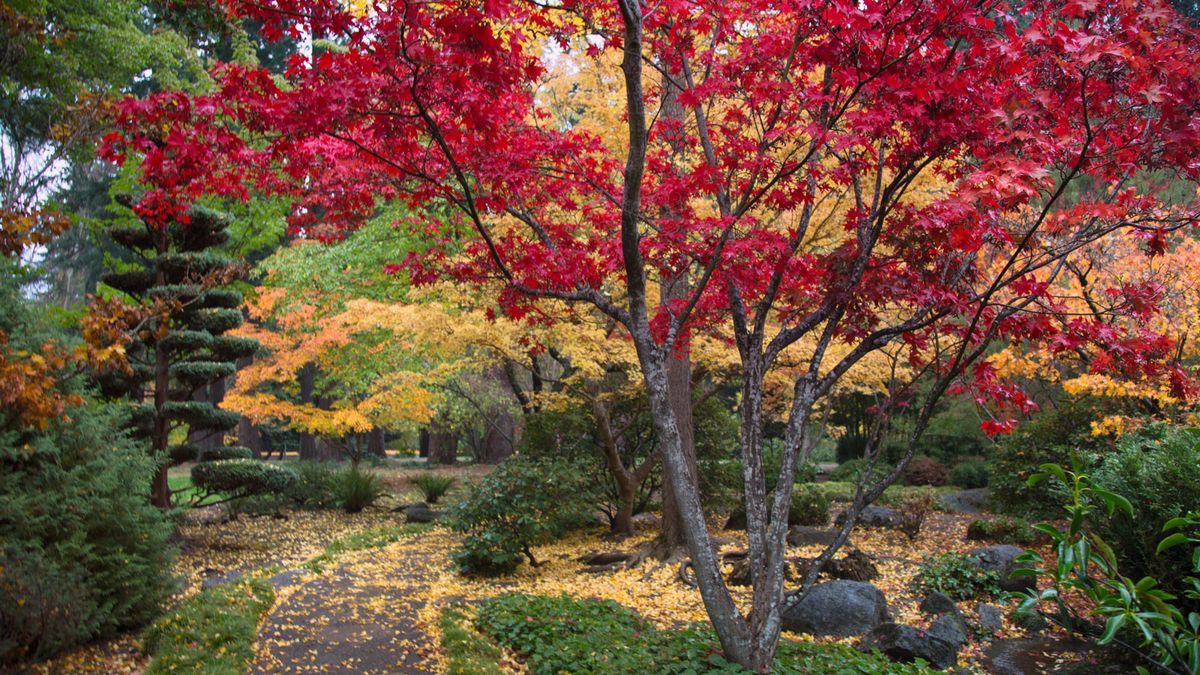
(1171, 542)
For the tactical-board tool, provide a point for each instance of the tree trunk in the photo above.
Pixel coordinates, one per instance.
(376, 443)
(423, 443)
(443, 444)
(498, 441)
(308, 379)
(679, 363)
(248, 435)
(160, 491)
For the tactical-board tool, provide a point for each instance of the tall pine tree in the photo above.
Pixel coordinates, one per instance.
(182, 347)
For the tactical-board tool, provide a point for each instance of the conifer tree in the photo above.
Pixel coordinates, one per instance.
(181, 347)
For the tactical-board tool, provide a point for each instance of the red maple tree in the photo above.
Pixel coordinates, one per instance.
(974, 145)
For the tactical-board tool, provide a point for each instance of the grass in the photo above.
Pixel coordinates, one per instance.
(210, 632)
(182, 489)
(893, 495)
(374, 538)
(467, 652)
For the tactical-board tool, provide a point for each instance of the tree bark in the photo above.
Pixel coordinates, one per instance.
(423, 443)
(443, 444)
(376, 443)
(498, 441)
(308, 379)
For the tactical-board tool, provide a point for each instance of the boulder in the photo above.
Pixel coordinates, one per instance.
(736, 520)
(951, 628)
(990, 621)
(804, 535)
(855, 566)
(1030, 621)
(420, 513)
(875, 516)
(937, 603)
(1001, 559)
(906, 644)
(839, 608)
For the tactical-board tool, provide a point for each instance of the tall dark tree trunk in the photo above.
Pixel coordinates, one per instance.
(498, 441)
(308, 379)
(423, 443)
(679, 364)
(376, 443)
(443, 445)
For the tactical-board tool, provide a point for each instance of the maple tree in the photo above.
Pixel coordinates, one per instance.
(780, 107)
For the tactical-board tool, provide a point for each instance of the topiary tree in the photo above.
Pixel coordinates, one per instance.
(182, 346)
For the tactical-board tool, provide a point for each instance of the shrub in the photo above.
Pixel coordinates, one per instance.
(1004, 529)
(314, 484)
(243, 477)
(970, 474)
(567, 635)
(809, 507)
(184, 452)
(956, 576)
(850, 447)
(1161, 466)
(1049, 438)
(84, 554)
(224, 452)
(519, 505)
(848, 472)
(356, 489)
(199, 373)
(201, 414)
(210, 632)
(432, 486)
(922, 470)
(914, 507)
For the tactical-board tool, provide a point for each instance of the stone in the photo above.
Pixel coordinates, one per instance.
(907, 644)
(937, 603)
(1001, 559)
(875, 516)
(839, 608)
(1030, 621)
(951, 628)
(990, 621)
(736, 520)
(855, 566)
(404, 507)
(420, 513)
(604, 558)
(972, 502)
(804, 535)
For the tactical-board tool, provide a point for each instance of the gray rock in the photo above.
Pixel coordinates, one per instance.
(420, 513)
(804, 535)
(951, 628)
(1001, 559)
(907, 644)
(1031, 621)
(972, 501)
(875, 516)
(840, 608)
(937, 603)
(990, 621)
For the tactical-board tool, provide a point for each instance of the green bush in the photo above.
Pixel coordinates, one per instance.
(184, 452)
(210, 632)
(1159, 464)
(848, 472)
(954, 575)
(1004, 529)
(809, 507)
(970, 474)
(224, 452)
(243, 477)
(356, 489)
(314, 484)
(200, 373)
(83, 553)
(922, 470)
(850, 447)
(201, 415)
(521, 504)
(1048, 438)
(233, 347)
(186, 340)
(217, 320)
(566, 635)
(432, 486)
